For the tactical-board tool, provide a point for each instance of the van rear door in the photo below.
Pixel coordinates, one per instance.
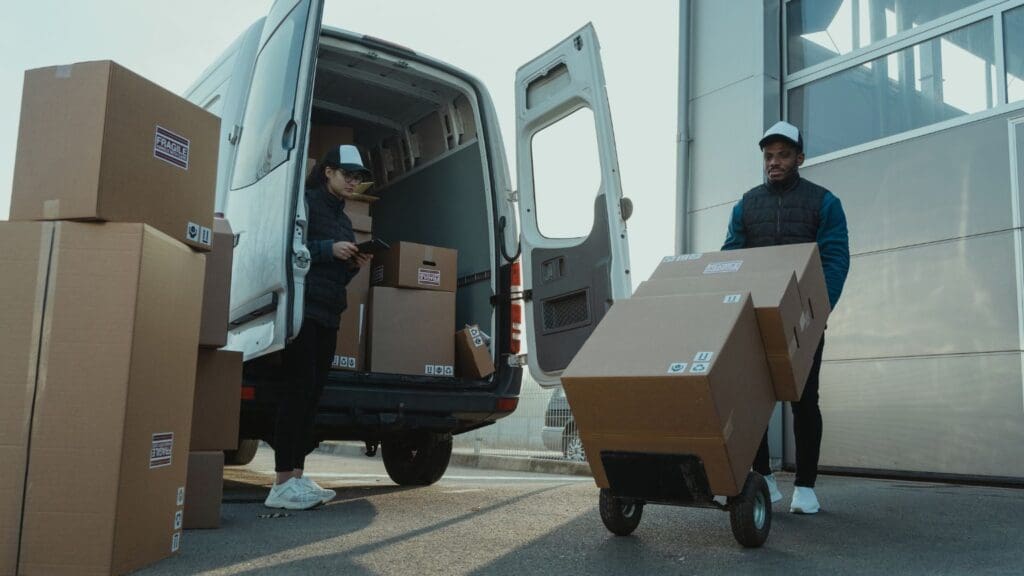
(264, 202)
(569, 282)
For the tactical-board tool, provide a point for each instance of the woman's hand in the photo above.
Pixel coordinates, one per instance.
(362, 260)
(344, 250)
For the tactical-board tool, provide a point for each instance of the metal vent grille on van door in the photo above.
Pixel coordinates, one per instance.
(565, 312)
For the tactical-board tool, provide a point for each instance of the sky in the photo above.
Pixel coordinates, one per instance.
(171, 43)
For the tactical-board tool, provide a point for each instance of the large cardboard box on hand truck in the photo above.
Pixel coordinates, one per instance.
(681, 375)
(789, 293)
(98, 377)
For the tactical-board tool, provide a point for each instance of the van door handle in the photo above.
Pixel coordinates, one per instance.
(288, 138)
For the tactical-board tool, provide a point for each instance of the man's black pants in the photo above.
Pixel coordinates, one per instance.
(307, 361)
(806, 431)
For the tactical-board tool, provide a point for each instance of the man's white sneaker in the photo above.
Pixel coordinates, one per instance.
(804, 501)
(773, 488)
(326, 494)
(292, 495)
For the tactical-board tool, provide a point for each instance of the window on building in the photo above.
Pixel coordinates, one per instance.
(946, 77)
(1013, 32)
(820, 30)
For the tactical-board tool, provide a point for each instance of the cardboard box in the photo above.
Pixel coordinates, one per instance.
(324, 136)
(350, 352)
(213, 332)
(218, 398)
(361, 223)
(764, 272)
(98, 142)
(411, 332)
(205, 489)
(411, 265)
(472, 355)
(359, 205)
(782, 320)
(116, 342)
(675, 375)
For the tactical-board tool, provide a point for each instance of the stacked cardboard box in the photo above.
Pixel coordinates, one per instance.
(350, 352)
(413, 285)
(716, 339)
(101, 319)
(472, 354)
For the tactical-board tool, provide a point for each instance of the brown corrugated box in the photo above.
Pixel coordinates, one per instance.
(213, 332)
(218, 398)
(411, 332)
(791, 335)
(676, 375)
(98, 142)
(113, 403)
(205, 489)
(471, 353)
(359, 205)
(411, 265)
(324, 136)
(350, 352)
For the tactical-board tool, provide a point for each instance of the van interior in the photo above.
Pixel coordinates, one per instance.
(416, 127)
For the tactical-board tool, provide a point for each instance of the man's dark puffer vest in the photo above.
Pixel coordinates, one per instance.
(789, 216)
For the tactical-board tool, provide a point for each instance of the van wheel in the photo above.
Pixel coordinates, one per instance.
(417, 460)
(619, 516)
(750, 513)
(242, 455)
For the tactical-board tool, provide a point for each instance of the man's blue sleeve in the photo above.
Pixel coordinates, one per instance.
(834, 246)
(736, 237)
(321, 250)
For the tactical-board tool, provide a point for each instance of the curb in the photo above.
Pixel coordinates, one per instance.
(482, 461)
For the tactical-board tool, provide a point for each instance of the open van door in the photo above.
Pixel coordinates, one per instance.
(264, 202)
(569, 282)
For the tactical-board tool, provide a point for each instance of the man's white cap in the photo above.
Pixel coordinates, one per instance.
(347, 157)
(783, 131)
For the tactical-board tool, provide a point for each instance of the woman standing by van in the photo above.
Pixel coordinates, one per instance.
(334, 261)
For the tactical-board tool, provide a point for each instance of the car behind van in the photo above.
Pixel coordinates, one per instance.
(429, 132)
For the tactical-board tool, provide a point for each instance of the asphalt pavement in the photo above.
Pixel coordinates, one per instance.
(477, 521)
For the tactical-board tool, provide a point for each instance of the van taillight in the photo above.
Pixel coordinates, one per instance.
(516, 311)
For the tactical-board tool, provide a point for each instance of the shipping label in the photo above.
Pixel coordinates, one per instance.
(732, 299)
(703, 356)
(723, 267)
(161, 450)
(429, 277)
(682, 258)
(438, 370)
(343, 362)
(170, 147)
(677, 368)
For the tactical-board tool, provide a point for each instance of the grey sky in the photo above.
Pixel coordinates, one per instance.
(172, 42)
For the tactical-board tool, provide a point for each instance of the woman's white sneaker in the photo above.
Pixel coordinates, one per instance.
(804, 501)
(292, 495)
(773, 488)
(325, 494)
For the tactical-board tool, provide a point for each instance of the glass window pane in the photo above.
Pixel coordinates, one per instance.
(819, 30)
(946, 77)
(566, 175)
(1013, 31)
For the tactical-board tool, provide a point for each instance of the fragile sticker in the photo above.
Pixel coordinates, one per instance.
(175, 541)
(677, 368)
(703, 356)
(429, 277)
(723, 267)
(181, 496)
(699, 368)
(170, 147)
(344, 361)
(178, 519)
(439, 370)
(732, 299)
(161, 450)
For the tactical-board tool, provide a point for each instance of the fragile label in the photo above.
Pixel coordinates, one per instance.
(703, 356)
(198, 234)
(438, 370)
(682, 258)
(429, 277)
(180, 501)
(677, 368)
(732, 299)
(175, 541)
(170, 147)
(723, 267)
(344, 361)
(699, 368)
(161, 450)
(178, 519)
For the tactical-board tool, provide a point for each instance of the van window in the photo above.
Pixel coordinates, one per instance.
(271, 102)
(566, 175)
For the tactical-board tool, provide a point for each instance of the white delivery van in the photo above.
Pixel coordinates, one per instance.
(430, 133)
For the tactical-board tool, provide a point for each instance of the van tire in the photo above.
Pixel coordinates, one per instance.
(417, 460)
(242, 455)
